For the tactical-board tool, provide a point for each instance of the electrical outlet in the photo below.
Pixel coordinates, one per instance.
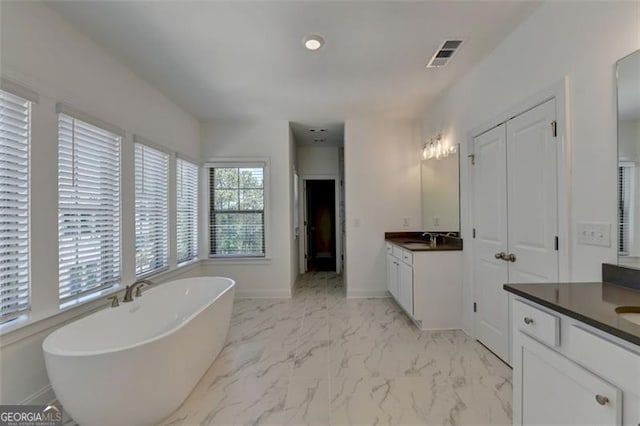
(356, 223)
(436, 221)
(405, 222)
(594, 234)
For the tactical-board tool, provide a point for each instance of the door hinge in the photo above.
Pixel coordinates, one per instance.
(473, 159)
(556, 244)
(474, 232)
(554, 128)
(475, 307)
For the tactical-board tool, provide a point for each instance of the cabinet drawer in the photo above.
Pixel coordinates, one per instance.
(617, 364)
(397, 251)
(541, 325)
(407, 257)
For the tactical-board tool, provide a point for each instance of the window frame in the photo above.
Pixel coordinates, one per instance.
(240, 162)
(137, 140)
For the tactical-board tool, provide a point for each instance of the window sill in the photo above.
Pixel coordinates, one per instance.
(187, 262)
(74, 303)
(29, 324)
(229, 260)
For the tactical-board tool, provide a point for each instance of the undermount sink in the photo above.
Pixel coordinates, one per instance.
(413, 244)
(629, 313)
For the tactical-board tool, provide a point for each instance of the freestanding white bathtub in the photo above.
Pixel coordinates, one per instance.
(135, 364)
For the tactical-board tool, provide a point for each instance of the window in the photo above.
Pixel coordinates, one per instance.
(15, 138)
(152, 214)
(237, 211)
(625, 203)
(88, 208)
(187, 210)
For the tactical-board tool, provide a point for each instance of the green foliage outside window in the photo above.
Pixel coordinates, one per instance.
(237, 211)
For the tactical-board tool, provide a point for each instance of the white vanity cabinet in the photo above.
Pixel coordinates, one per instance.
(427, 285)
(400, 276)
(567, 372)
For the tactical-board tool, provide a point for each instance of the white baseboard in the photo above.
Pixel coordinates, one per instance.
(364, 294)
(263, 294)
(42, 396)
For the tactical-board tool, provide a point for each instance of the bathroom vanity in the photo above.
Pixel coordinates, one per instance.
(426, 281)
(576, 357)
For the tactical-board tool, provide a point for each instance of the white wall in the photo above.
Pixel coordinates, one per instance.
(42, 52)
(293, 150)
(441, 194)
(317, 160)
(259, 278)
(382, 187)
(582, 40)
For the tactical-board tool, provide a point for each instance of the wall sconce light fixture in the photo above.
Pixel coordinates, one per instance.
(434, 148)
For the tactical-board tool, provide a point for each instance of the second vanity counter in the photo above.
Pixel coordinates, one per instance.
(415, 242)
(576, 351)
(426, 281)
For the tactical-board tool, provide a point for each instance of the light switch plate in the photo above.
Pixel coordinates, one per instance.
(594, 234)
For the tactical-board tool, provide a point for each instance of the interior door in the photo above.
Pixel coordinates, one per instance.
(490, 224)
(321, 225)
(532, 195)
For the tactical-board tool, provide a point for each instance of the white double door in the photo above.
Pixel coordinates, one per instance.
(515, 216)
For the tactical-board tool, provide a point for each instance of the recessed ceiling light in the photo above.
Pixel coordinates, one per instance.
(313, 42)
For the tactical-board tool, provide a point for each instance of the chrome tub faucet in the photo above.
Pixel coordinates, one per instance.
(128, 292)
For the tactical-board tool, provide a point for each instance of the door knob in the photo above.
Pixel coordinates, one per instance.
(602, 400)
(511, 257)
(502, 255)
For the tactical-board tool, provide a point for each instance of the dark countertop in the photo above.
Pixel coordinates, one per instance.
(591, 303)
(413, 241)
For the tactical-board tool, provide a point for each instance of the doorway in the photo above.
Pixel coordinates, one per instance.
(320, 224)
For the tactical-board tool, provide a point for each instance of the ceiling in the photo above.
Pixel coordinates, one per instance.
(245, 60)
(318, 134)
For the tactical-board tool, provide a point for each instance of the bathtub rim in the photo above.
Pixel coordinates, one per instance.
(48, 350)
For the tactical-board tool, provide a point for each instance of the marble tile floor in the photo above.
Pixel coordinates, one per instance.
(321, 359)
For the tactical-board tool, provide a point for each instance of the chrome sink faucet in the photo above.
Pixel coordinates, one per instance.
(128, 292)
(432, 239)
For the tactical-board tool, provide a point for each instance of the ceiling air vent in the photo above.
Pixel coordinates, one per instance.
(444, 54)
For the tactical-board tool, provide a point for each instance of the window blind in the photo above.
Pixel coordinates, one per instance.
(625, 189)
(237, 211)
(152, 214)
(88, 208)
(15, 115)
(187, 210)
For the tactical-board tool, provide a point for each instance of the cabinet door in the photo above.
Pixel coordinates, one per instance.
(405, 287)
(392, 275)
(551, 389)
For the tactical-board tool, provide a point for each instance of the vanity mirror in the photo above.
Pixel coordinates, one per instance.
(628, 74)
(441, 193)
